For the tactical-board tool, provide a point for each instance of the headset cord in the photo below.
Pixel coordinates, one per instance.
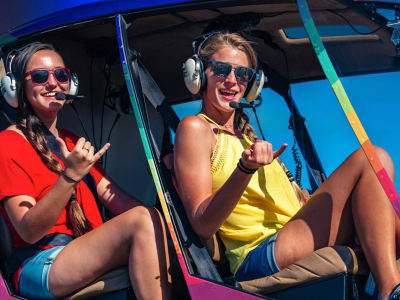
(253, 107)
(299, 164)
(109, 137)
(295, 150)
(80, 121)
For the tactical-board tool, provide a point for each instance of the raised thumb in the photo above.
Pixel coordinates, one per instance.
(63, 148)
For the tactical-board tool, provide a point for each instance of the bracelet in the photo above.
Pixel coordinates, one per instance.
(245, 169)
(69, 179)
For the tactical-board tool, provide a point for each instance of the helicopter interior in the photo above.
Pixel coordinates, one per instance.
(163, 37)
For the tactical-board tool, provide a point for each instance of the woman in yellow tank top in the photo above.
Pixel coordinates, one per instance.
(230, 181)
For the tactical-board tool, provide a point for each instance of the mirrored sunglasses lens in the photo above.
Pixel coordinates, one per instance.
(221, 69)
(62, 75)
(244, 74)
(40, 76)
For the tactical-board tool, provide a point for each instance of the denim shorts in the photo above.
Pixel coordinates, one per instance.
(259, 262)
(33, 279)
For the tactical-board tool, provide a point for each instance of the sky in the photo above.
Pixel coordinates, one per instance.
(375, 99)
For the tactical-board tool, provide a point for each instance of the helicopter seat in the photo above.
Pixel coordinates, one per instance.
(112, 285)
(324, 269)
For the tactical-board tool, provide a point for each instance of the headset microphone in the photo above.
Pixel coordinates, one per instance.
(62, 96)
(239, 105)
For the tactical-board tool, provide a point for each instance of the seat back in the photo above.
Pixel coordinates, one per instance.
(202, 260)
(5, 241)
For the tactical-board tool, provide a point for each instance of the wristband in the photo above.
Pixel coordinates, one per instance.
(245, 169)
(69, 179)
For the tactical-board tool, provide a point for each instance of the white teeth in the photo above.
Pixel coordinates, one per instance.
(228, 92)
(50, 94)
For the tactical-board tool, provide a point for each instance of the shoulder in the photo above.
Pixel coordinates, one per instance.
(194, 134)
(13, 145)
(10, 136)
(194, 125)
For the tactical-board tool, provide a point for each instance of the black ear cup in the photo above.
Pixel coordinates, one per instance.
(255, 86)
(9, 90)
(193, 75)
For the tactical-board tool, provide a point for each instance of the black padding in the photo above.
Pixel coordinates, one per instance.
(186, 235)
(5, 241)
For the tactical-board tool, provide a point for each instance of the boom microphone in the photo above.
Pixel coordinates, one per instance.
(62, 96)
(234, 104)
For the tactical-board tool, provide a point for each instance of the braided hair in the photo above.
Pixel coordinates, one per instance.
(34, 130)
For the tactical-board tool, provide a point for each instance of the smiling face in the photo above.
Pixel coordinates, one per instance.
(221, 91)
(42, 97)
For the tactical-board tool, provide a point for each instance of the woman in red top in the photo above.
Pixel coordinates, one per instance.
(43, 194)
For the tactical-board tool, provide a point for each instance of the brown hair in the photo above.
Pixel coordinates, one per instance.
(241, 121)
(34, 130)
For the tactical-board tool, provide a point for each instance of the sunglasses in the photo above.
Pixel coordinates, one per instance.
(223, 69)
(41, 76)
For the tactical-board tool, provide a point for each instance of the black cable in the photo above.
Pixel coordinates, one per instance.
(295, 150)
(92, 104)
(255, 114)
(80, 121)
(106, 72)
(109, 137)
(299, 164)
(352, 26)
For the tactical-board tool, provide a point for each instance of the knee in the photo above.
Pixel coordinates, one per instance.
(360, 157)
(145, 222)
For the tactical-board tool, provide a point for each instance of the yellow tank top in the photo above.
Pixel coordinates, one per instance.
(267, 203)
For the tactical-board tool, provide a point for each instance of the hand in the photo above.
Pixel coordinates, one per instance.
(260, 154)
(80, 160)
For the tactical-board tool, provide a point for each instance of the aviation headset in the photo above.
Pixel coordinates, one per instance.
(195, 77)
(9, 82)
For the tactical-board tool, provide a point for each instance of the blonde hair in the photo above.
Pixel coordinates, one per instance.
(241, 120)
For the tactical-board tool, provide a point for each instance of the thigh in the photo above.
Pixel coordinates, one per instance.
(97, 252)
(326, 219)
(259, 262)
(33, 279)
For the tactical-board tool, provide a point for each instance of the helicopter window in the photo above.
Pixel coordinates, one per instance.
(375, 100)
(387, 13)
(327, 31)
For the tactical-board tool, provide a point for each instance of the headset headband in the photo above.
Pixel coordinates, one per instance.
(199, 41)
(10, 58)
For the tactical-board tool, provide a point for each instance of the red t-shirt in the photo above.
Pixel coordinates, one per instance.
(22, 172)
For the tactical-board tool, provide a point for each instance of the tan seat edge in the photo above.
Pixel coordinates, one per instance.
(115, 280)
(321, 263)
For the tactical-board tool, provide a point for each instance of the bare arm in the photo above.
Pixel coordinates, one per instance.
(193, 148)
(114, 198)
(32, 220)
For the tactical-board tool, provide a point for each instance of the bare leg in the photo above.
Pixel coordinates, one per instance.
(135, 238)
(350, 201)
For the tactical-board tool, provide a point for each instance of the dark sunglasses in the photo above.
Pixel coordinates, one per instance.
(41, 77)
(223, 69)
